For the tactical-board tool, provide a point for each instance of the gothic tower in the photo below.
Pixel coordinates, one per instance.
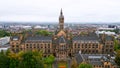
(61, 21)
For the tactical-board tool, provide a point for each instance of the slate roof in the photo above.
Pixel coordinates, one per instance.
(15, 38)
(109, 38)
(85, 38)
(79, 58)
(94, 59)
(90, 37)
(96, 63)
(39, 38)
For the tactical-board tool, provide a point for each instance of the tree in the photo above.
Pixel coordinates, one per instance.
(13, 60)
(85, 65)
(4, 61)
(49, 60)
(4, 33)
(31, 60)
(116, 45)
(43, 32)
(28, 59)
(117, 58)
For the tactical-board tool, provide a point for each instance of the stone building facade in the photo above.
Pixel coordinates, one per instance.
(62, 45)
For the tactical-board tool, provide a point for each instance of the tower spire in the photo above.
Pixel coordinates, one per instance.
(61, 20)
(61, 13)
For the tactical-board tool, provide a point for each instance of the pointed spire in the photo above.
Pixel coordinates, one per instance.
(61, 13)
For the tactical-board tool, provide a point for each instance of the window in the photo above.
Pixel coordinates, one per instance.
(41, 46)
(82, 45)
(26, 44)
(106, 50)
(82, 51)
(111, 43)
(96, 51)
(75, 45)
(30, 45)
(48, 45)
(106, 46)
(12, 46)
(85, 45)
(89, 51)
(111, 50)
(96, 46)
(37, 45)
(89, 46)
(93, 46)
(108, 66)
(111, 46)
(48, 51)
(17, 46)
(78, 45)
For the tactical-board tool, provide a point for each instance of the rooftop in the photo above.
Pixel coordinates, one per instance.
(39, 38)
(89, 37)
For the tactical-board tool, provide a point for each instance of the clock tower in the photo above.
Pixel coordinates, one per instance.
(61, 21)
(61, 31)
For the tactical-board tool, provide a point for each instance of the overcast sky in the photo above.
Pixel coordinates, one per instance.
(48, 10)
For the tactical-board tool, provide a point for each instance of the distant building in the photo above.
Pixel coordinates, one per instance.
(27, 27)
(111, 26)
(40, 27)
(101, 28)
(4, 41)
(105, 32)
(4, 48)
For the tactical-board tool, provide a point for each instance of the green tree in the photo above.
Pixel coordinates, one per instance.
(4, 61)
(43, 32)
(116, 45)
(31, 60)
(49, 61)
(117, 58)
(85, 65)
(28, 59)
(4, 33)
(13, 60)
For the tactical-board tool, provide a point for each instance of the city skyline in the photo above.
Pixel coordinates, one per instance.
(47, 11)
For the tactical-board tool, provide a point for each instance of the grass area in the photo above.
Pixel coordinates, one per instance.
(62, 64)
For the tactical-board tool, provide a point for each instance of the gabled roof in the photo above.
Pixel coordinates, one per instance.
(61, 33)
(79, 58)
(62, 40)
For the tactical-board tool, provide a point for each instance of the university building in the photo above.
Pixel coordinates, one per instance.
(62, 45)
